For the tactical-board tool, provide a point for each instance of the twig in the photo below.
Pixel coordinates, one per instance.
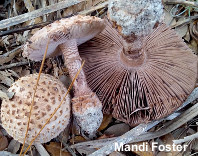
(126, 138)
(43, 4)
(5, 153)
(34, 94)
(40, 12)
(184, 22)
(2, 15)
(69, 149)
(94, 143)
(28, 5)
(12, 51)
(13, 65)
(184, 2)
(42, 151)
(30, 27)
(103, 142)
(171, 126)
(186, 139)
(39, 25)
(9, 55)
(92, 9)
(192, 97)
(194, 154)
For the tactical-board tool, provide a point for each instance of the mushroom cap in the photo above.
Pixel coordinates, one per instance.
(81, 28)
(87, 112)
(136, 16)
(15, 112)
(137, 91)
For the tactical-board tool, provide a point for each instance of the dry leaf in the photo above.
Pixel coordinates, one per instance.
(179, 133)
(147, 152)
(187, 36)
(4, 59)
(22, 72)
(3, 142)
(104, 136)
(14, 73)
(195, 145)
(105, 122)
(182, 30)
(54, 149)
(168, 18)
(3, 88)
(9, 55)
(6, 78)
(3, 95)
(56, 69)
(65, 80)
(193, 46)
(14, 146)
(78, 139)
(117, 130)
(5, 40)
(168, 139)
(64, 135)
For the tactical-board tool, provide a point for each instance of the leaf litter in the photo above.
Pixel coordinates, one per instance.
(10, 53)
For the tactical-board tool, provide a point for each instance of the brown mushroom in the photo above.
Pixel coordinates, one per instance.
(138, 78)
(15, 112)
(64, 36)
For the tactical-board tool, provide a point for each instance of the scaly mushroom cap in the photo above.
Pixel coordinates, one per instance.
(81, 28)
(143, 88)
(15, 112)
(87, 112)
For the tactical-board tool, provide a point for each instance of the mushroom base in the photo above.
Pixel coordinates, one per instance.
(87, 111)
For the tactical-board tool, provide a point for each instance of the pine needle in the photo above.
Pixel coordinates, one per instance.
(42, 64)
(55, 109)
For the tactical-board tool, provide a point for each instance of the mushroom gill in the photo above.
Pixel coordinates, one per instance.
(143, 87)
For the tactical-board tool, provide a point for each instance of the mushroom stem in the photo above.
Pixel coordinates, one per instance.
(73, 63)
(132, 54)
(42, 151)
(132, 46)
(87, 108)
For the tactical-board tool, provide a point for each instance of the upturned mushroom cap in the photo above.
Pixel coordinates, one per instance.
(81, 28)
(136, 17)
(145, 87)
(87, 112)
(15, 112)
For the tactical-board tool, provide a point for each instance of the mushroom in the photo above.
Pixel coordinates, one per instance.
(139, 68)
(15, 112)
(64, 36)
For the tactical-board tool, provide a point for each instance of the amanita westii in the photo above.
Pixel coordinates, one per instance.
(15, 112)
(140, 69)
(64, 37)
